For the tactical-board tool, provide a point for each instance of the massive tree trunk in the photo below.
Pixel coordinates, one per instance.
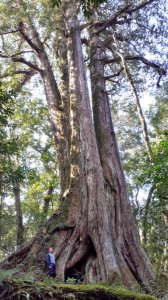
(132, 260)
(94, 231)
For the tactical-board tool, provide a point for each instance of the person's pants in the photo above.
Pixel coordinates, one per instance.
(52, 270)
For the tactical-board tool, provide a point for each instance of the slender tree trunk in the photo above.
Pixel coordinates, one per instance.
(146, 213)
(19, 217)
(47, 201)
(138, 104)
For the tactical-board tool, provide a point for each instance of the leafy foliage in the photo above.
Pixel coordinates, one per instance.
(6, 101)
(86, 5)
(22, 128)
(89, 5)
(5, 274)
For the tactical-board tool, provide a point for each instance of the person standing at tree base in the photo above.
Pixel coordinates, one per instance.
(51, 262)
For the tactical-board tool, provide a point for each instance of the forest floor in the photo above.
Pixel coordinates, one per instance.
(17, 289)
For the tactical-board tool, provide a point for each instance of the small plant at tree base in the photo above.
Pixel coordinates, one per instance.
(71, 280)
(6, 274)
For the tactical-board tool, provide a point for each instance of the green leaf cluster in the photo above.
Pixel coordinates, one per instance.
(86, 5)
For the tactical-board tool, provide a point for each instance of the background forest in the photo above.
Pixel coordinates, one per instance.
(137, 86)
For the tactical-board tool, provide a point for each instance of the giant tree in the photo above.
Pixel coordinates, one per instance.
(94, 230)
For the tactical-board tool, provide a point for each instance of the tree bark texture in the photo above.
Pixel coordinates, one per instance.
(122, 222)
(94, 231)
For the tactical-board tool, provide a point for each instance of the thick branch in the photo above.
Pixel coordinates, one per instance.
(28, 63)
(103, 25)
(147, 62)
(28, 40)
(113, 20)
(139, 58)
(26, 37)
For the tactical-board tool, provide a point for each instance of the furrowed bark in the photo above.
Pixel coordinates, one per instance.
(131, 257)
(94, 202)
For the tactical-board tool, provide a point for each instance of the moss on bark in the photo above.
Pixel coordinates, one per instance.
(18, 289)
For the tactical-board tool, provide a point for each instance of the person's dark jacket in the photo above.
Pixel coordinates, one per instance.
(49, 262)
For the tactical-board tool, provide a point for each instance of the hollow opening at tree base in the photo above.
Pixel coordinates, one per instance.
(85, 270)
